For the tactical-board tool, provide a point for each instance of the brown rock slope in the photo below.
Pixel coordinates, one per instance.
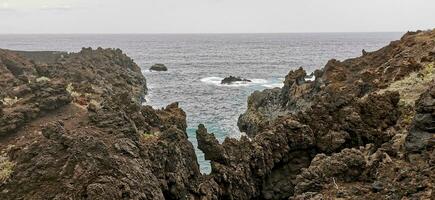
(363, 101)
(75, 129)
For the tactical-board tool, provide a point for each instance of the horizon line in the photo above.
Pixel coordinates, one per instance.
(199, 33)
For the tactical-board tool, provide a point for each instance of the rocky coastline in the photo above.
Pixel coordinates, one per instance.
(72, 126)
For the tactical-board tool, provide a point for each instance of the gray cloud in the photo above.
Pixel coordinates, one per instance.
(57, 8)
(7, 10)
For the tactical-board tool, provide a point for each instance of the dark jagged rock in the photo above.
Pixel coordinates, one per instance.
(158, 67)
(249, 163)
(349, 104)
(339, 80)
(210, 145)
(266, 105)
(75, 128)
(422, 133)
(233, 79)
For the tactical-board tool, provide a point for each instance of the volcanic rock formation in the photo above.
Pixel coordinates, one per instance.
(72, 126)
(75, 129)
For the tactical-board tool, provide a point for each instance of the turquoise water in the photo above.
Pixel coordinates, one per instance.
(197, 62)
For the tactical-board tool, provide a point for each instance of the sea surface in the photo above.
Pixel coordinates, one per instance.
(198, 62)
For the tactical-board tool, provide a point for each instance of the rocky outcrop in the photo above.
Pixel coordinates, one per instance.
(75, 129)
(267, 165)
(158, 67)
(243, 165)
(266, 105)
(400, 168)
(23, 96)
(339, 80)
(233, 79)
(307, 135)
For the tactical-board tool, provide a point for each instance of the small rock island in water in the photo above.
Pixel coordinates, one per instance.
(158, 67)
(233, 79)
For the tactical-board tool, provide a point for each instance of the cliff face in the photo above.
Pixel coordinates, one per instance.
(344, 130)
(72, 126)
(75, 129)
(339, 81)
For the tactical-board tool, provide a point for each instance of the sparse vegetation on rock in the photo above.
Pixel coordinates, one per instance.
(6, 169)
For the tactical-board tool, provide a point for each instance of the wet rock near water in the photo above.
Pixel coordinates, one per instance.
(233, 79)
(158, 67)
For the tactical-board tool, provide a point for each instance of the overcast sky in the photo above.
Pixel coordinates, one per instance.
(214, 16)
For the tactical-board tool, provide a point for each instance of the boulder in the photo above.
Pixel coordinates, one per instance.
(158, 67)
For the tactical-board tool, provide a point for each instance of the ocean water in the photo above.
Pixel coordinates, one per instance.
(198, 62)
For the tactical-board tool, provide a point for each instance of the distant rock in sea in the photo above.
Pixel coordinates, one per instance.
(158, 67)
(232, 79)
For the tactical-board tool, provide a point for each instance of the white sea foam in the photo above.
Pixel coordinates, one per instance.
(147, 71)
(212, 80)
(312, 78)
(273, 85)
(259, 81)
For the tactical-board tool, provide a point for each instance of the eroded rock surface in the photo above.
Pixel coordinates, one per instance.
(339, 81)
(345, 129)
(75, 128)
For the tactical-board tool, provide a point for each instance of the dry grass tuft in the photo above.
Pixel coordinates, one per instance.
(147, 136)
(10, 101)
(6, 169)
(43, 79)
(70, 90)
